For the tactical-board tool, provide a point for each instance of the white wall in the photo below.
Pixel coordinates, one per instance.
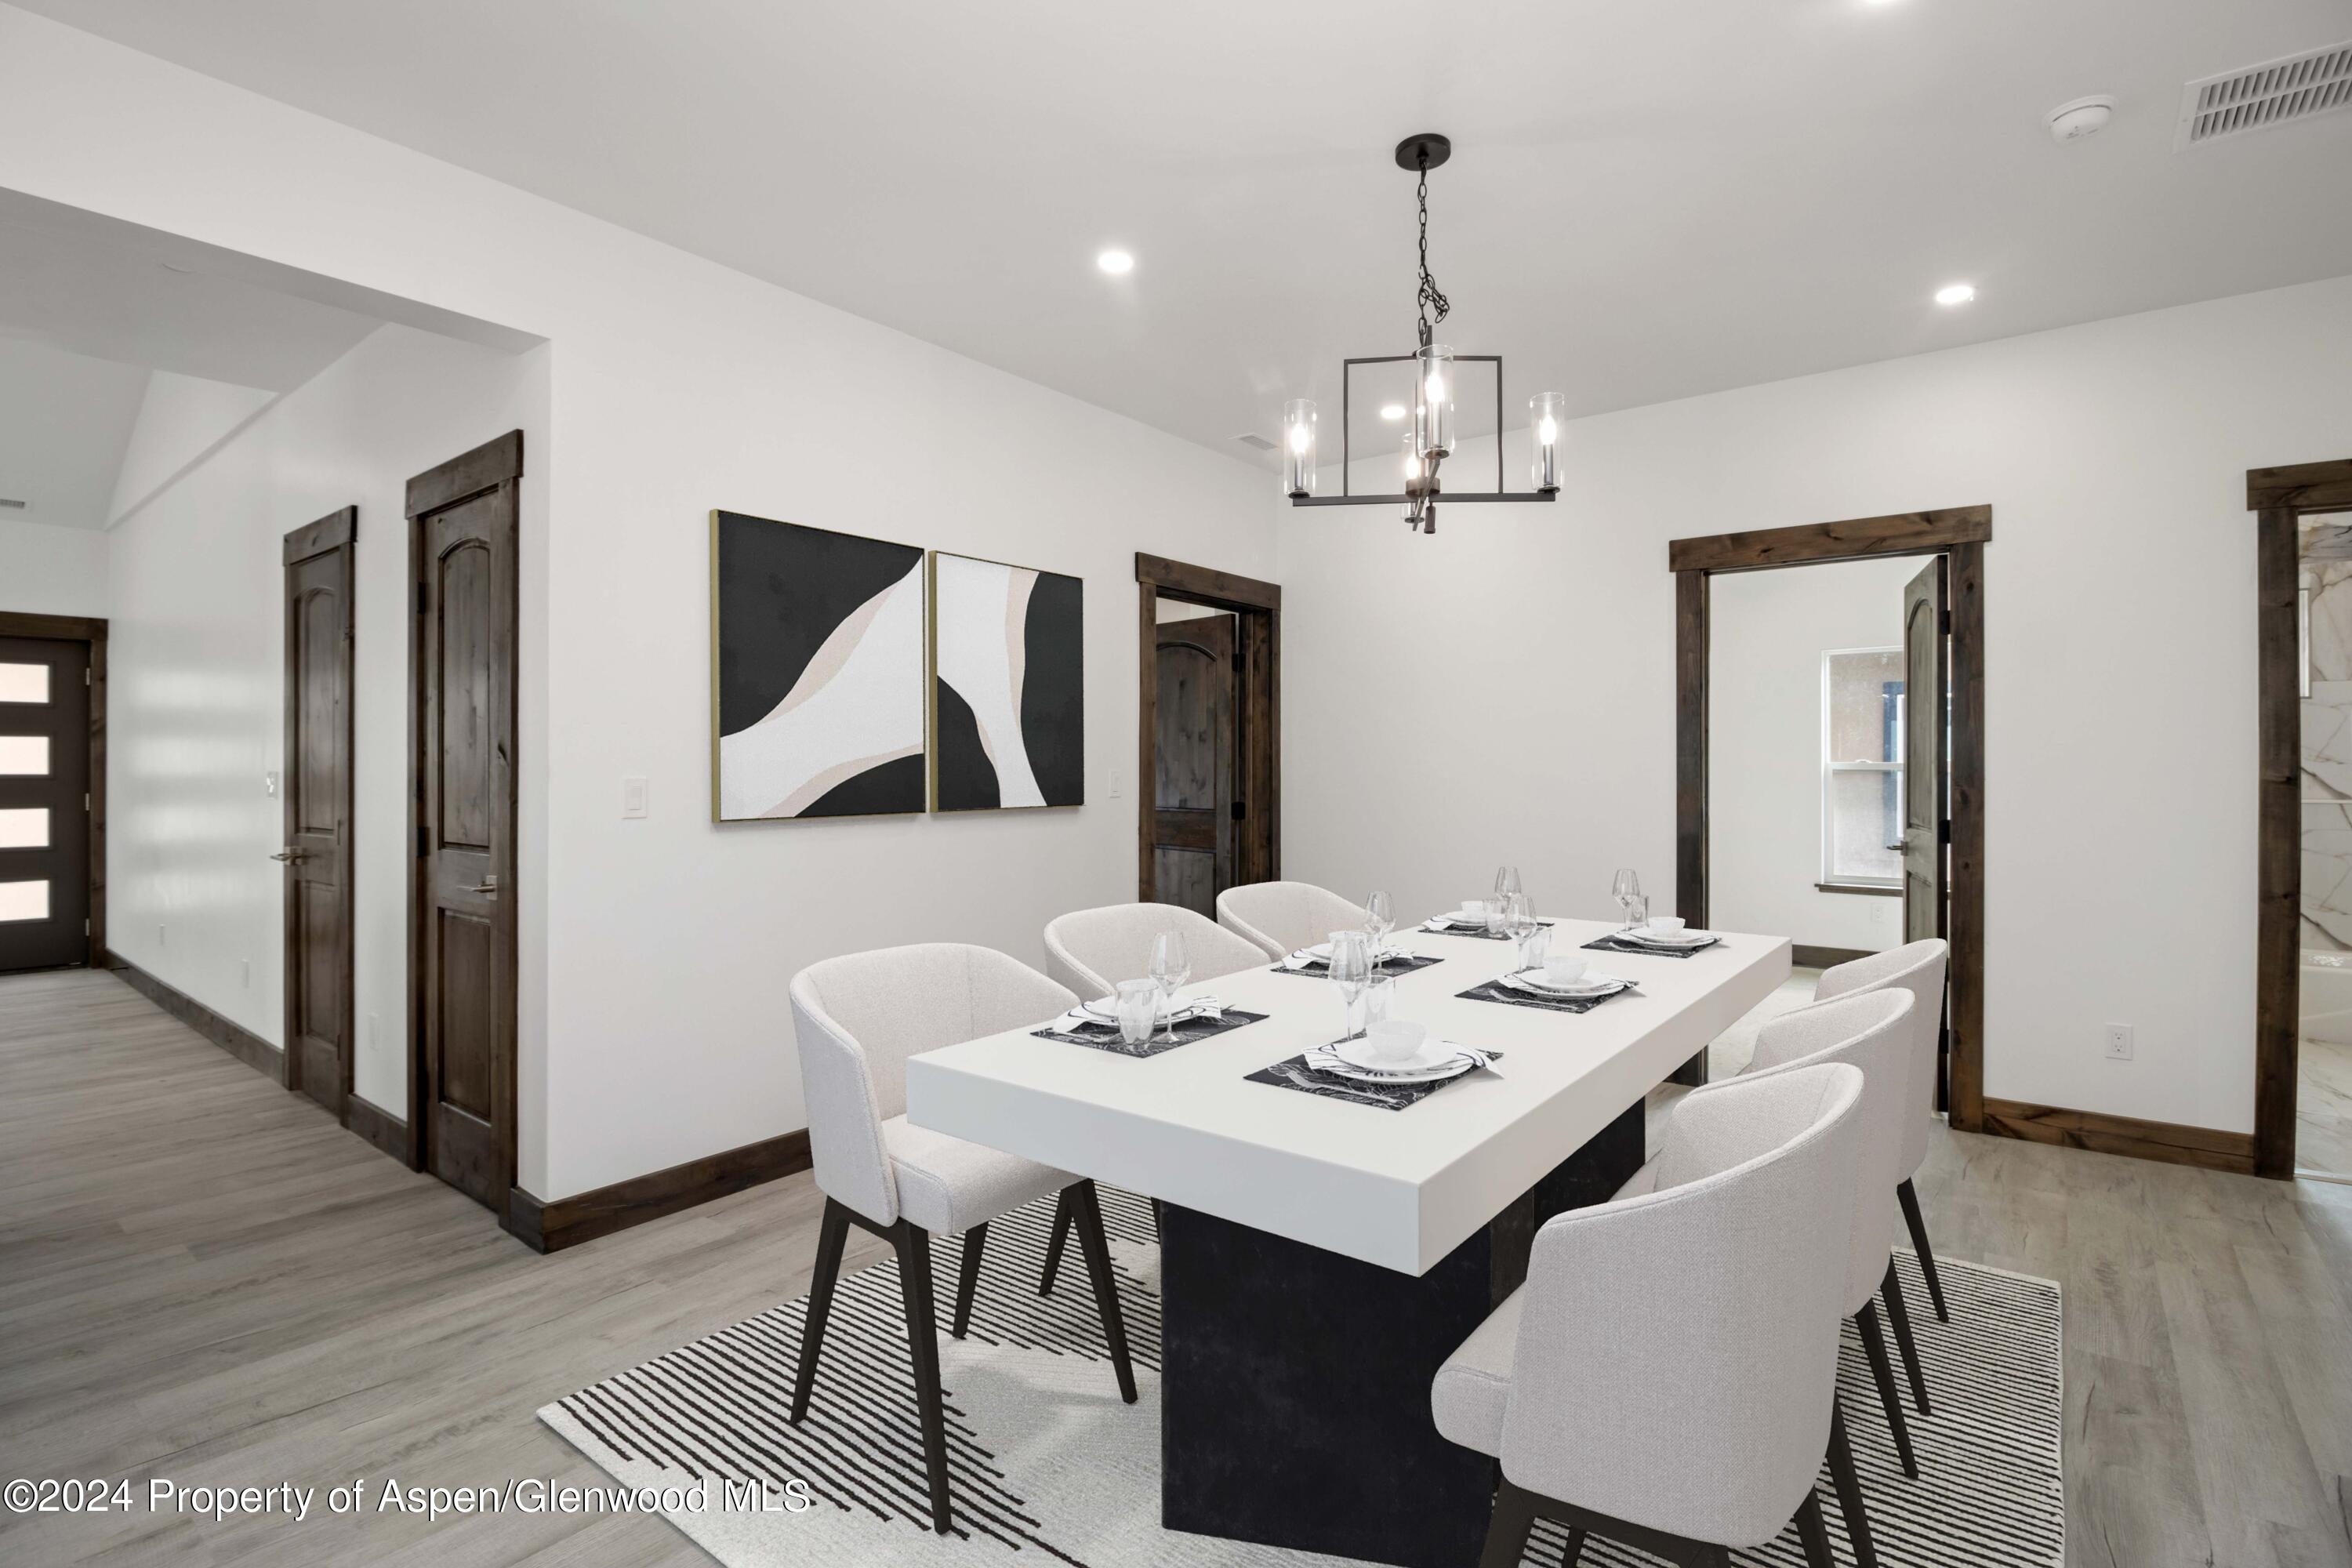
(196, 713)
(181, 419)
(52, 571)
(1768, 631)
(655, 953)
(2120, 675)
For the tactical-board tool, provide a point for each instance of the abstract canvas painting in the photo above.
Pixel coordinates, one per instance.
(1008, 687)
(818, 671)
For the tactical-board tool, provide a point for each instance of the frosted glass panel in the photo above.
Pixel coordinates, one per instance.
(25, 828)
(1864, 819)
(24, 683)
(24, 901)
(23, 755)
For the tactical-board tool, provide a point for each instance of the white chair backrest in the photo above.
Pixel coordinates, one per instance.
(1282, 917)
(1871, 1031)
(1091, 951)
(858, 1018)
(1919, 968)
(1677, 1351)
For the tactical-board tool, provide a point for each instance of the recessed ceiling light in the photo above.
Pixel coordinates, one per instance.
(1115, 262)
(1956, 294)
(1392, 410)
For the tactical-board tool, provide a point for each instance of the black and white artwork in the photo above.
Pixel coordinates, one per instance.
(1008, 688)
(818, 676)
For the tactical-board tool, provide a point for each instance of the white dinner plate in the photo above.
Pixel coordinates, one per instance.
(1435, 1056)
(1684, 938)
(1338, 1066)
(1592, 984)
(1104, 1008)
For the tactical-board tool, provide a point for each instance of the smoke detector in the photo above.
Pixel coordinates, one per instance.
(2083, 117)
(2257, 98)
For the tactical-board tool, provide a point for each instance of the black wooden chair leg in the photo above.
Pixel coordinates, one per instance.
(1909, 1197)
(1849, 1488)
(1814, 1532)
(830, 1233)
(1085, 1214)
(1875, 1343)
(1575, 1547)
(1900, 1317)
(1053, 1243)
(1509, 1526)
(968, 1277)
(914, 1246)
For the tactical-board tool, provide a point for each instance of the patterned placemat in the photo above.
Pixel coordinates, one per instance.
(1476, 934)
(1496, 991)
(1404, 965)
(1296, 1074)
(1610, 943)
(1106, 1037)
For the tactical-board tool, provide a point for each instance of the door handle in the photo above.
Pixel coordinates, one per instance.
(1900, 846)
(487, 885)
(292, 855)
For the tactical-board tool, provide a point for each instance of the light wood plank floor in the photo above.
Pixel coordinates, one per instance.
(203, 1279)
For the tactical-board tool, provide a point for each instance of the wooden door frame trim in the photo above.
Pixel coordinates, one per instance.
(335, 534)
(495, 463)
(1259, 604)
(90, 629)
(1959, 534)
(2280, 498)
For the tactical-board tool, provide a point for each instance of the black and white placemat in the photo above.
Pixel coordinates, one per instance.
(1106, 1037)
(1476, 934)
(1612, 942)
(1404, 965)
(1296, 1074)
(1496, 991)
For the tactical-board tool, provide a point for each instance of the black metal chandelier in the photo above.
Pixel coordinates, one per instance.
(1429, 439)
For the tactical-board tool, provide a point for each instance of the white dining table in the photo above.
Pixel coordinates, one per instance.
(1320, 1258)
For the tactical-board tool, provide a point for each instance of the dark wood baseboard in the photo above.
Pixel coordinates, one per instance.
(1804, 956)
(546, 1225)
(2202, 1146)
(379, 1126)
(235, 1038)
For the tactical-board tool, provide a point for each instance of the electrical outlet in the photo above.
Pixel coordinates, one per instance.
(2119, 1042)
(633, 798)
(1118, 783)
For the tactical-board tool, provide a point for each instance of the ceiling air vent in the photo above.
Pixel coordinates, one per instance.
(1252, 438)
(12, 505)
(2260, 97)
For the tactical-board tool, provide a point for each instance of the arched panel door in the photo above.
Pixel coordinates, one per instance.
(316, 788)
(1194, 763)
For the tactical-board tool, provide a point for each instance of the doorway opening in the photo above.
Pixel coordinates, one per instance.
(1209, 757)
(1898, 782)
(52, 792)
(2303, 998)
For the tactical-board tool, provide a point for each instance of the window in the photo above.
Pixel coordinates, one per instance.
(1862, 766)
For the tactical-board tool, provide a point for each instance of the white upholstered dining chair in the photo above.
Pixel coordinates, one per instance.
(857, 1018)
(1091, 951)
(1282, 917)
(1666, 1377)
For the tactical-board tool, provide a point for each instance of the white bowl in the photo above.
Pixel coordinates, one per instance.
(1565, 969)
(1394, 1040)
(1665, 925)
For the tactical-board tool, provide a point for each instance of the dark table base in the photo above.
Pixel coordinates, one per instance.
(1294, 1388)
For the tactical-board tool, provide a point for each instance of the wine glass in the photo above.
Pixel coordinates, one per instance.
(1520, 924)
(1380, 917)
(1172, 965)
(1507, 882)
(1351, 972)
(1626, 889)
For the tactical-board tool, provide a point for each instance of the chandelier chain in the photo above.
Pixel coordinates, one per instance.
(1429, 298)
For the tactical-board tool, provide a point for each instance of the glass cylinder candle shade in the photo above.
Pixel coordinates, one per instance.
(1546, 412)
(1298, 447)
(1414, 469)
(1433, 400)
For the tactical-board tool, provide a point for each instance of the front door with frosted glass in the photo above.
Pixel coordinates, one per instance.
(44, 803)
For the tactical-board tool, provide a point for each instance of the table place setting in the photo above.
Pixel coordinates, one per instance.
(1123, 1023)
(1662, 936)
(1562, 983)
(1392, 1064)
(1317, 961)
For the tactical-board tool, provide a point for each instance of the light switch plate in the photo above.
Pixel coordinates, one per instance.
(1118, 783)
(633, 798)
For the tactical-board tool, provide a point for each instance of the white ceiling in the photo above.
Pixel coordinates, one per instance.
(1647, 200)
(89, 309)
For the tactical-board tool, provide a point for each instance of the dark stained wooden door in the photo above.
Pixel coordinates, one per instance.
(44, 784)
(463, 517)
(317, 795)
(1194, 763)
(1926, 831)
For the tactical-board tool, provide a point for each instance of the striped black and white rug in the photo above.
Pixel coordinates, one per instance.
(1048, 1466)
